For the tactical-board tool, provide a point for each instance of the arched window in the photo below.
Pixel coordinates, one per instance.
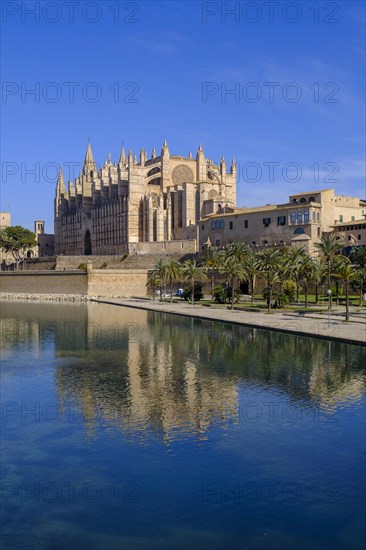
(306, 216)
(293, 217)
(311, 199)
(303, 199)
(318, 216)
(217, 224)
(314, 216)
(299, 231)
(222, 224)
(213, 224)
(299, 217)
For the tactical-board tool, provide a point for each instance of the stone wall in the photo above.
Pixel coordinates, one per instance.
(111, 283)
(44, 282)
(73, 285)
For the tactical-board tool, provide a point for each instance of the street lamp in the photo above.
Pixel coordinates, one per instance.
(329, 292)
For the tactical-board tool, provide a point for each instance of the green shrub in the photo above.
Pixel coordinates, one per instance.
(280, 300)
(103, 265)
(82, 266)
(289, 288)
(198, 294)
(222, 295)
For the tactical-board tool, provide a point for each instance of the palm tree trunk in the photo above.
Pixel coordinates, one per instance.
(347, 302)
(232, 293)
(337, 292)
(212, 284)
(252, 283)
(306, 295)
(361, 293)
(192, 291)
(153, 289)
(269, 298)
(171, 290)
(329, 298)
(161, 293)
(316, 293)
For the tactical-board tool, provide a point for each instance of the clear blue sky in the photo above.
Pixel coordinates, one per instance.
(170, 51)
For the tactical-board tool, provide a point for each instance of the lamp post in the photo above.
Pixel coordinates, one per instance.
(329, 292)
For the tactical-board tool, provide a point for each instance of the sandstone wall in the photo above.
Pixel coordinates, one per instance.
(44, 282)
(56, 285)
(117, 283)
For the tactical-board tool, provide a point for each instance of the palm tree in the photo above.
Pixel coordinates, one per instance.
(154, 281)
(295, 257)
(251, 268)
(269, 261)
(307, 273)
(173, 273)
(329, 246)
(193, 273)
(358, 258)
(212, 262)
(346, 273)
(318, 278)
(238, 250)
(234, 270)
(160, 272)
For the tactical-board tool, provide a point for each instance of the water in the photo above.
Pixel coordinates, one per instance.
(125, 429)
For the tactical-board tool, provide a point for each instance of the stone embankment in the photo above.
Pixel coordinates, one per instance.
(23, 297)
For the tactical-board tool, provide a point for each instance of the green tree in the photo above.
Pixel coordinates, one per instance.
(193, 273)
(294, 260)
(160, 272)
(329, 247)
(358, 258)
(238, 250)
(269, 261)
(212, 261)
(18, 241)
(173, 274)
(346, 273)
(234, 270)
(307, 274)
(154, 281)
(251, 269)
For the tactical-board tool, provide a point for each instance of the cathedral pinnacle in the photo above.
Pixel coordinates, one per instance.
(89, 159)
(122, 157)
(60, 182)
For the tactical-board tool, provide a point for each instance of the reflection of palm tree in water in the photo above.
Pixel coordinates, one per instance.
(180, 376)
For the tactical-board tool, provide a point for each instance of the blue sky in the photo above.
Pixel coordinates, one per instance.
(295, 121)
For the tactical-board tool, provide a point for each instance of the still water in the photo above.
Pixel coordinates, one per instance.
(127, 429)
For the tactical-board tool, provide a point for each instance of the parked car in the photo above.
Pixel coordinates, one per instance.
(179, 292)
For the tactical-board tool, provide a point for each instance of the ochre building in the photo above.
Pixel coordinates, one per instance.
(136, 204)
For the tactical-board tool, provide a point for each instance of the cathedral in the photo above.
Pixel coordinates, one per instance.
(127, 206)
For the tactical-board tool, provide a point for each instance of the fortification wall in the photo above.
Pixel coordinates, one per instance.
(53, 285)
(44, 282)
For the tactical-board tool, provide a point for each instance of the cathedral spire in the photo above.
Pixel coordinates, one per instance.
(89, 168)
(165, 149)
(60, 186)
(89, 159)
(122, 157)
(153, 154)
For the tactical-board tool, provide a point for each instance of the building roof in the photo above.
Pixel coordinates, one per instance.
(254, 209)
(353, 222)
(311, 192)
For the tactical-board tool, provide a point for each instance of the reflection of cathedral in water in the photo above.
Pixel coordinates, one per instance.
(142, 372)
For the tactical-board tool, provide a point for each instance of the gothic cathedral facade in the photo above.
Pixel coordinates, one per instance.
(113, 209)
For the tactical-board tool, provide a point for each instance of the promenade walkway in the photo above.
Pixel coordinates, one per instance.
(312, 324)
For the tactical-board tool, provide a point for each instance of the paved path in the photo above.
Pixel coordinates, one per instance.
(287, 321)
